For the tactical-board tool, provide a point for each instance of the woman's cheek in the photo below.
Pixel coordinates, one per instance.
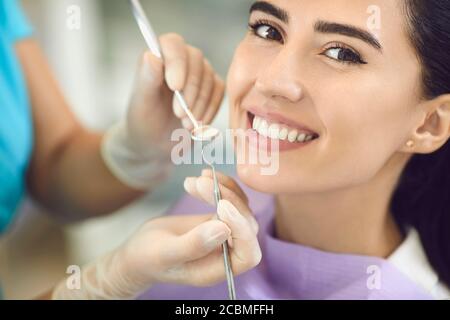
(359, 150)
(248, 61)
(240, 82)
(235, 79)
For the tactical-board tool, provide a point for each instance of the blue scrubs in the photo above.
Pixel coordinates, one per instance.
(16, 132)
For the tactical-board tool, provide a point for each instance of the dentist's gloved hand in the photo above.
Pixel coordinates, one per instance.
(180, 249)
(137, 150)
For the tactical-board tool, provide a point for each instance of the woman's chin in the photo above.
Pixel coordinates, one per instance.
(252, 176)
(280, 183)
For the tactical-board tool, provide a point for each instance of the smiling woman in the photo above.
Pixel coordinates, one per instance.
(369, 185)
(322, 69)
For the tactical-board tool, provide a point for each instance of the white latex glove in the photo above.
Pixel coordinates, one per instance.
(181, 249)
(137, 150)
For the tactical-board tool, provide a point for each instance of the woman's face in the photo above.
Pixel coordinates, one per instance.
(341, 71)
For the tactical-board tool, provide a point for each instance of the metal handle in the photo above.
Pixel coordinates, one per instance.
(225, 248)
(153, 44)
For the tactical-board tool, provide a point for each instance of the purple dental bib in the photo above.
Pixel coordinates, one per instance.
(292, 271)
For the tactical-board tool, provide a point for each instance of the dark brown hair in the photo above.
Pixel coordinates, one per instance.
(422, 198)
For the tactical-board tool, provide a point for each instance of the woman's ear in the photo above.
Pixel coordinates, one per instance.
(434, 131)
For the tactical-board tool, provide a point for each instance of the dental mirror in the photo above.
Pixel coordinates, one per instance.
(205, 134)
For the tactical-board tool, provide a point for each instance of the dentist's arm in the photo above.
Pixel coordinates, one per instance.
(66, 173)
(79, 173)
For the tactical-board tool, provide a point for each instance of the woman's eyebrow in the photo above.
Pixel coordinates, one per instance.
(271, 9)
(348, 30)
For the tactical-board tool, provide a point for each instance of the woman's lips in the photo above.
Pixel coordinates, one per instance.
(273, 117)
(258, 141)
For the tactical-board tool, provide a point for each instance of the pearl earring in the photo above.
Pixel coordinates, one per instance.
(410, 144)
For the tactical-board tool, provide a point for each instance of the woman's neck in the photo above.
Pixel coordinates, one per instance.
(355, 220)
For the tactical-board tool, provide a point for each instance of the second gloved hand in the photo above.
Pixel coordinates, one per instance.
(182, 250)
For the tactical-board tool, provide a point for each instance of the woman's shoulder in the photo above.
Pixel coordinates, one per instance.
(410, 258)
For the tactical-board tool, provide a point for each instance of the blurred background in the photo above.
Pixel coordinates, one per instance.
(95, 67)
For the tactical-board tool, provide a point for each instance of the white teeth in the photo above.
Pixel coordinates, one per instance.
(274, 131)
(301, 137)
(263, 128)
(278, 131)
(292, 136)
(256, 123)
(284, 134)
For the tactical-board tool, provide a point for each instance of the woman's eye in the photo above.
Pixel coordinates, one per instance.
(267, 32)
(344, 55)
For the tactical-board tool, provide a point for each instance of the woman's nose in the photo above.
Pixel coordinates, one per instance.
(280, 79)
